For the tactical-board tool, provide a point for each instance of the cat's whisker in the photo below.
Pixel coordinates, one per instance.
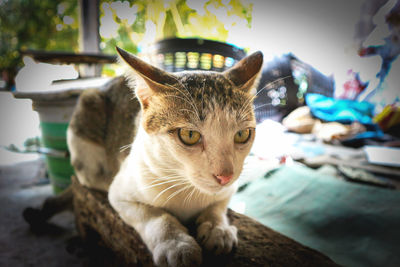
(244, 107)
(188, 110)
(166, 174)
(160, 183)
(177, 192)
(167, 169)
(166, 189)
(270, 83)
(125, 147)
(172, 175)
(202, 96)
(172, 171)
(203, 198)
(190, 196)
(185, 93)
(196, 194)
(245, 114)
(188, 95)
(263, 105)
(182, 98)
(192, 104)
(250, 100)
(168, 177)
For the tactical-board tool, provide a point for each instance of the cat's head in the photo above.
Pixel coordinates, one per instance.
(205, 119)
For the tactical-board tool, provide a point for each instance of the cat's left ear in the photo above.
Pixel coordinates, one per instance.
(245, 74)
(156, 80)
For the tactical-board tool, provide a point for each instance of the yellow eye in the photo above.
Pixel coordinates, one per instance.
(189, 137)
(242, 136)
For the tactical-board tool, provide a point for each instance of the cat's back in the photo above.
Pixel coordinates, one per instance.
(101, 129)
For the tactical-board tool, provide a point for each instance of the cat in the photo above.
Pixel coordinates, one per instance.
(106, 119)
(184, 137)
(102, 126)
(195, 131)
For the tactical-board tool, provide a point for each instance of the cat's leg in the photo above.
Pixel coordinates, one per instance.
(214, 232)
(164, 235)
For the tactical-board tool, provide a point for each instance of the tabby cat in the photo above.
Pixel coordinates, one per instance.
(184, 137)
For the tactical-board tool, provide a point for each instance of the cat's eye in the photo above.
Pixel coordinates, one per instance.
(242, 136)
(189, 137)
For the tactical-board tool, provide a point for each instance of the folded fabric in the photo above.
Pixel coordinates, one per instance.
(354, 224)
(340, 110)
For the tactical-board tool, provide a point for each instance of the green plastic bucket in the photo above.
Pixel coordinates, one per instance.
(58, 164)
(54, 120)
(55, 105)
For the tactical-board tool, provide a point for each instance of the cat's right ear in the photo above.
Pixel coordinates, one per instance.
(156, 79)
(246, 73)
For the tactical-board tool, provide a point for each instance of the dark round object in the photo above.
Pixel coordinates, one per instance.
(178, 54)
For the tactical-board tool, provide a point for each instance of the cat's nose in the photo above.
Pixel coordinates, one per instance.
(224, 179)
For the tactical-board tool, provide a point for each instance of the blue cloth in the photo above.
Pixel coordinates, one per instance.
(340, 110)
(345, 111)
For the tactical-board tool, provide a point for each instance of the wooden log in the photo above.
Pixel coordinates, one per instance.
(258, 244)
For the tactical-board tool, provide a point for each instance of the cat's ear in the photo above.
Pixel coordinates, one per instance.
(245, 74)
(156, 79)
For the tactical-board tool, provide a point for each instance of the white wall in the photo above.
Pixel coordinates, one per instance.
(318, 32)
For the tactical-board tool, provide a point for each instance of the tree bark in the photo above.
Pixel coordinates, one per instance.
(259, 245)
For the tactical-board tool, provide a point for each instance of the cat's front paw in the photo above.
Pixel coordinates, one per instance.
(180, 251)
(219, 239)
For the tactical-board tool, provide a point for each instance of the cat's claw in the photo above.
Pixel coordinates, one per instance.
(181, 251)
(219, 239)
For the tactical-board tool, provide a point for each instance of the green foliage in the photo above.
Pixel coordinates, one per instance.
(36, 24)
(156, 19)
(134, 24)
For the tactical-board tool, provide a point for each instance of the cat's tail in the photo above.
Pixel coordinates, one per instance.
(37, 217)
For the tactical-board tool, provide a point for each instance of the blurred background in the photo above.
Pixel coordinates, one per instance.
(326, 161)
(335, 39)
(325, 34)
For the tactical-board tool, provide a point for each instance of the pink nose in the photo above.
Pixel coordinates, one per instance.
(224, 179)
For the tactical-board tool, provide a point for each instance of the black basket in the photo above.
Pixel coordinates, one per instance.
(178, 54)
(284, 83)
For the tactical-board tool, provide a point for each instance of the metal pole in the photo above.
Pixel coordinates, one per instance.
(89, 37)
